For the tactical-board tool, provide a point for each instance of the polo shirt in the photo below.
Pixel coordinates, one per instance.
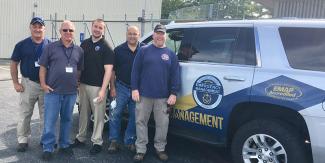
(56, 58)
(27, 53)
(97, 55)
(124, 58)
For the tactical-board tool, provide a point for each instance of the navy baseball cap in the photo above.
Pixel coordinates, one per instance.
(160, 28)
(37, 20)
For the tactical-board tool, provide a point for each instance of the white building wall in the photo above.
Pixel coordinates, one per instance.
(16, 15)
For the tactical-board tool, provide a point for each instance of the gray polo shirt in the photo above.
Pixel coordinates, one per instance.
(62, 66)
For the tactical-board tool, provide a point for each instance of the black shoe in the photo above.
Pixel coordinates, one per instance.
(46, 156)
(95, 149)
(66, 151)
(77, 143)
(55, 145)
(22, 147)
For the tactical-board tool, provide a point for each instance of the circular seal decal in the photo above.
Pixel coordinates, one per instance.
(207, 91)
(165, 57)
(97, 48)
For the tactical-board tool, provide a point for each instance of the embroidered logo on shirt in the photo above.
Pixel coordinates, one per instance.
(165, 57)
(97, 48)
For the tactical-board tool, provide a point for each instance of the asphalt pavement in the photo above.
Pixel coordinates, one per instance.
(180, 150)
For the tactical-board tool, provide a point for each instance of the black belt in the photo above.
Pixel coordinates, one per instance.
(124, 84)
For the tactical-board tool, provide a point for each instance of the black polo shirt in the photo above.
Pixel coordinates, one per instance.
(96, 55)
(124, 58)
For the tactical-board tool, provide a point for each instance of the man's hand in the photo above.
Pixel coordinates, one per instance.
(113, 92)
(19, 87)
(171, 100)
(47, 88)
(101, 95)
(135, 96)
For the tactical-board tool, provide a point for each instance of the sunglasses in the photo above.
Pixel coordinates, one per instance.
(66, 30)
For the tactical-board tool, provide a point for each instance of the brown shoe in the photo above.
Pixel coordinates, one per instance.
(113, 147)
(138, 157)
(162, 155)
(131, 147)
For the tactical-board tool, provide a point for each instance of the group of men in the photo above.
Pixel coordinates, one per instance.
(142, 79)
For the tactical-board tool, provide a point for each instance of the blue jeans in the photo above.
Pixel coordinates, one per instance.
(55, 105)
(123, 100)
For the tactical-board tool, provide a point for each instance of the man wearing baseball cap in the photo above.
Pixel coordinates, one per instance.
(155, 82)
(27, 53)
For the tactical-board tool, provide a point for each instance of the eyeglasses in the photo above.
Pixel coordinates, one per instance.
(66, 30)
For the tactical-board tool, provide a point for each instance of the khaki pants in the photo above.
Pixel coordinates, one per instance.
(86, 94)
(142, 115)
(32, 93)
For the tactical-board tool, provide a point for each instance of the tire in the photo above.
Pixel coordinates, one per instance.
(268, 141)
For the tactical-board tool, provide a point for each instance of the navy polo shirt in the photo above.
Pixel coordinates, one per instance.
(27, 53)
(124, 58)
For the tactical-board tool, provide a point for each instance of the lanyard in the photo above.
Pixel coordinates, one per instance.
(39, 49)
(65, 53)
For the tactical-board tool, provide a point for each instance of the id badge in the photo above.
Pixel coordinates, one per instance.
(68, 69)
(36, 64)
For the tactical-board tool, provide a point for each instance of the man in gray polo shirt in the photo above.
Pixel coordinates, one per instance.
(61, 63)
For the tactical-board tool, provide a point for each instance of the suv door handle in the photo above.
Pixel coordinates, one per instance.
(234, 78)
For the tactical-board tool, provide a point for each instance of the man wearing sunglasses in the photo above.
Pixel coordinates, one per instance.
(27, 53)
(61, 63)
(99, 60)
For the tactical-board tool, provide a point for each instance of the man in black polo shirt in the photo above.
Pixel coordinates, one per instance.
(98, 65)
(27, 53)
(124, 56)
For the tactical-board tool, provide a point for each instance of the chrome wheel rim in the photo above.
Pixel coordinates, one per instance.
(262, 148)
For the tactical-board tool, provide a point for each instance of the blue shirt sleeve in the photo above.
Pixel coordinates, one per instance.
(136, 70)
(16, 55)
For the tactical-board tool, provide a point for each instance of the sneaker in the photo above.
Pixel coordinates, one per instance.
(131, 147)
(77, 143)
(95, 149)
(162, 155)
(113, 147)
(66, 151)
(138, 157)
(46, 156)
(22, 147)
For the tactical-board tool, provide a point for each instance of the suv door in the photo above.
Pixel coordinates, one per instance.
(217, 67)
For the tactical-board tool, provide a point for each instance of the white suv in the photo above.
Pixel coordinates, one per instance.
(257, 86)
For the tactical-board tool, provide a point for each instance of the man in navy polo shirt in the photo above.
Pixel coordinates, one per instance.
(121, 89)
(27, 53)
(154, 82)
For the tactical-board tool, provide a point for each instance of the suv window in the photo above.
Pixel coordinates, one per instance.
(304, 47)
(225, 45)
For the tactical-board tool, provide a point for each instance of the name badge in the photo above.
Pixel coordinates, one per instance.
(69, 69)
(36, 64)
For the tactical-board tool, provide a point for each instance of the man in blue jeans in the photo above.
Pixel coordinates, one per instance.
(61, 63)
(124, 56)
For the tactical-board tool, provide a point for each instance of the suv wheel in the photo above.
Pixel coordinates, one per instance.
(267, 141)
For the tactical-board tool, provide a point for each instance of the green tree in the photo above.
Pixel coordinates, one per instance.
(171, 5)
